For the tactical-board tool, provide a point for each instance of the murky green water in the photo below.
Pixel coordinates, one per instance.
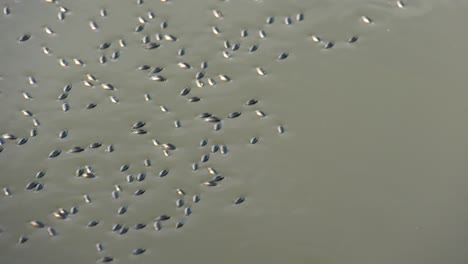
(371, 167)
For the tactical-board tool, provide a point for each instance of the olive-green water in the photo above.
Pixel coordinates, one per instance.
(371, 167)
